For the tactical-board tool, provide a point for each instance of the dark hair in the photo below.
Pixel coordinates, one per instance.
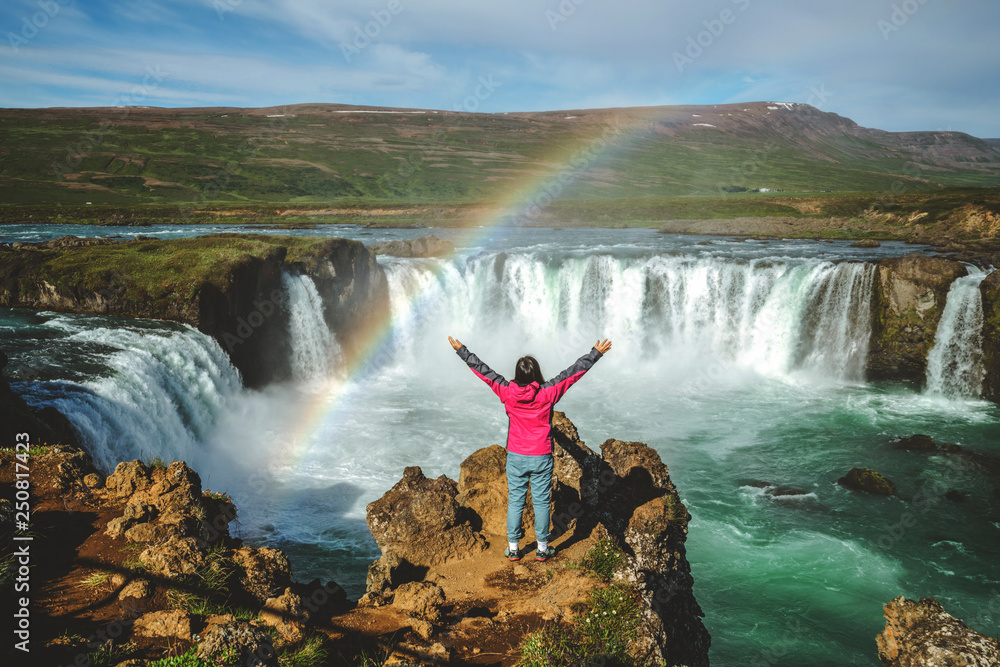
(528, 371)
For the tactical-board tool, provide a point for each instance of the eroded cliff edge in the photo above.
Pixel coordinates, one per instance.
(228, 286)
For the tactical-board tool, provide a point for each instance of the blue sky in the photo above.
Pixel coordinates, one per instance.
(890, 64)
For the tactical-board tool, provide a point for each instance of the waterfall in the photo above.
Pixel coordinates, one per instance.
(773, 317)
(314, 349)
(955, 363)
(160, 391)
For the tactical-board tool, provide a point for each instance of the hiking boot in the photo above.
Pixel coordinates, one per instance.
(543, 555)
(512, 555)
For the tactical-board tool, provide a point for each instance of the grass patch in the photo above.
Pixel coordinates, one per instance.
(190, 659)
(157, 462)
(110, 654)
(603, 630)
(207, 591)
(95, 580)
(602, 559)
(307, 653)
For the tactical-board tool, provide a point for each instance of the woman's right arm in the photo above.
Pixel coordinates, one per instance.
(479, 367)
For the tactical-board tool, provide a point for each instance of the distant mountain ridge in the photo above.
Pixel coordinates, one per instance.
(327, 152)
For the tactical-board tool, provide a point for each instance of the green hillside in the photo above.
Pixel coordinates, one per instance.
(313, 154)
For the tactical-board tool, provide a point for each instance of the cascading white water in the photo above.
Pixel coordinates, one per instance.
(314, 349)
(955, 363)
(161, 394)
(772, 317)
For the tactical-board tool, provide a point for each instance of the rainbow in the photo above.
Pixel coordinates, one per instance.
(522, 204)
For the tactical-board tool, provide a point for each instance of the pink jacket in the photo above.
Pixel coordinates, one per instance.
(529, 409)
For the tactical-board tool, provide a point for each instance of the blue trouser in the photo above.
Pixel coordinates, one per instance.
(523, 471)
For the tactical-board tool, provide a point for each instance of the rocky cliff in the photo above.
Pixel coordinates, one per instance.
(990, 292)
(617, 511)
(229, 286)
(923, 634)
(910, 294)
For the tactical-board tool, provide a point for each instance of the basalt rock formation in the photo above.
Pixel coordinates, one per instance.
(425, 246)
(623, 495)
(990, 292)
(229, 286)
(923, 634)
(910, 294)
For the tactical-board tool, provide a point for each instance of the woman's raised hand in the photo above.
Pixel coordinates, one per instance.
(457, 345)
(603, 346)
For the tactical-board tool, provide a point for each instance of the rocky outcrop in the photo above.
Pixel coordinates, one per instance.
(241, 642)
(869, 481)
(623, 495)
(910, 293)
(419, 523)
(229, 286)
(989, 289)
(425, 246)
(923, 634)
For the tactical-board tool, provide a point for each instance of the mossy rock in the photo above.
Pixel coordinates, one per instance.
(869, 481)
(924, 443)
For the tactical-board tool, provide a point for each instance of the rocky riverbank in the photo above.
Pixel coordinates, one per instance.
(228, 286)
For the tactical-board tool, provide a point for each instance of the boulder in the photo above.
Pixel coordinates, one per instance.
(172, 623)
(909, 298)
(241, 641)
(285, 614)
(173, 559)
(153, 533)
(266, 571)
(866, 243)
(923, 634)
(406, 654)
(128, 478)
(869, 481)
(421, 522)
(138, 588)
(421, 599)
(924, 443)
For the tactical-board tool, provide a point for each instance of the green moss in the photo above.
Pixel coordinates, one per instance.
(869, 481)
